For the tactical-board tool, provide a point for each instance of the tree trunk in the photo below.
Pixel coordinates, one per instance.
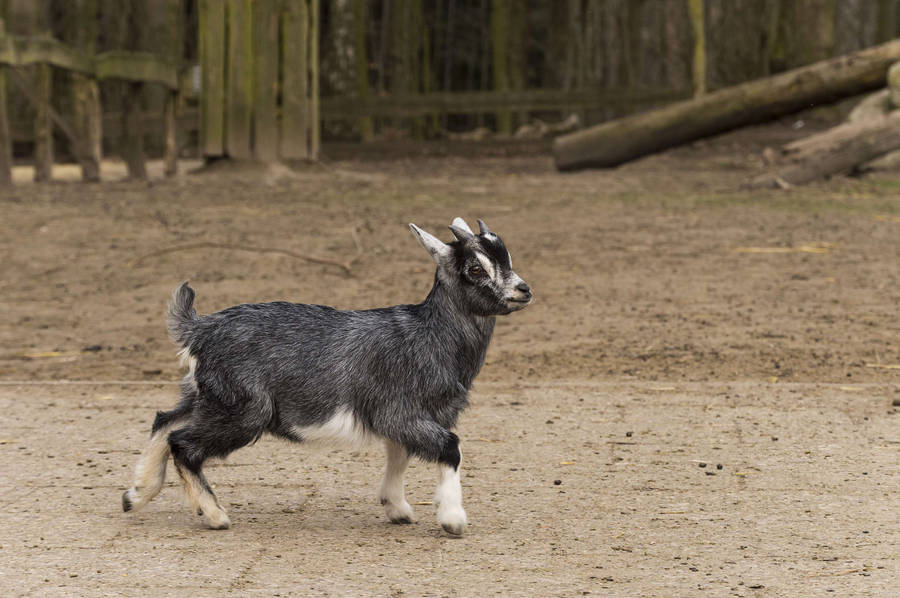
(613, 143)
(836, 151)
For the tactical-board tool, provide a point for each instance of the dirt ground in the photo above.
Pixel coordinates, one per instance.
(698, 403)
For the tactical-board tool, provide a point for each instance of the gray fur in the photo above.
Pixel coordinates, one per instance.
(403, 372)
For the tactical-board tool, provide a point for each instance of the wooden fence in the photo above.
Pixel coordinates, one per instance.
(260, 79)
(259, 96)
(83, 129)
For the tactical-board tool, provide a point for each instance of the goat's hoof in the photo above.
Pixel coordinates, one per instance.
(401, 513)
(218, 520)
(221, 524)
(127, 504)
(454, 529)
(453, 521)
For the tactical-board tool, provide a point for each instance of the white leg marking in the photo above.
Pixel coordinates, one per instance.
(150, 473)
(448, 497)
(391, 492)
(202, 501)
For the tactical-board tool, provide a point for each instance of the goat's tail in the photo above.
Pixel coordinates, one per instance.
(182, 316)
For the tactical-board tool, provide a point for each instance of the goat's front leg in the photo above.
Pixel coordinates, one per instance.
(448, 495)
(391, 492)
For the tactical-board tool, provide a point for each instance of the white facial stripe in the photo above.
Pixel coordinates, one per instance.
(487, 264)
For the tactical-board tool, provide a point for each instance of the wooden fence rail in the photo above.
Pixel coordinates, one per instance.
(485, 102)
(18, 51)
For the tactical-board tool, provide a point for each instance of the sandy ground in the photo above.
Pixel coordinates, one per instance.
(680, 325)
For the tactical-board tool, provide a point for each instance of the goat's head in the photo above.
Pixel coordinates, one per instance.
(478, 268)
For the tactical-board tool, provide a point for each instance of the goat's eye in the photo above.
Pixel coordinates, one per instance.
(476, 271)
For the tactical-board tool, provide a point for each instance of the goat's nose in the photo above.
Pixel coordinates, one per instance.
(523, 286)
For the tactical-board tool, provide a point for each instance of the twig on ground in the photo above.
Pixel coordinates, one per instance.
(345, 265)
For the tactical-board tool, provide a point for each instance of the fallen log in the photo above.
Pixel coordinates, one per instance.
(836, 151)
(612, 143)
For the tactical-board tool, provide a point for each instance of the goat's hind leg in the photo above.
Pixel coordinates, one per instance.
(210, 433)
(150, 473)
(391, 492)
(189, 454)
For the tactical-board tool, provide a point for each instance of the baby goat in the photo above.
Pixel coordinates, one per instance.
(310, 372)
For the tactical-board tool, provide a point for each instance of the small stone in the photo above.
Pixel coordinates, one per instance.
(557, 482)
(701, 464)
(629, 434)
(896, 402)
(718, 466)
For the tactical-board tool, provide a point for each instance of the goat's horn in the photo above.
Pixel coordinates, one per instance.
(461, 234)
(459, 222)
(482, 227)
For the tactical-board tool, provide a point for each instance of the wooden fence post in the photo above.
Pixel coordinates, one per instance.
(366, 126)
(43, 128)
(312, 67)
(132, 138)
(295, 75)
(43, 92)
(5, 138)
(212, 92)
(239, 107)
(265, 61)
(695, 9)
(88, 113)
(173, 52)
(500, 21)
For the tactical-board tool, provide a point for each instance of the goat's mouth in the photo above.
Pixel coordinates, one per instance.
(514, 303)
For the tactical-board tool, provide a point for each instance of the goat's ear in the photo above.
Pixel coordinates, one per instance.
(460, 223)
(437, 248)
